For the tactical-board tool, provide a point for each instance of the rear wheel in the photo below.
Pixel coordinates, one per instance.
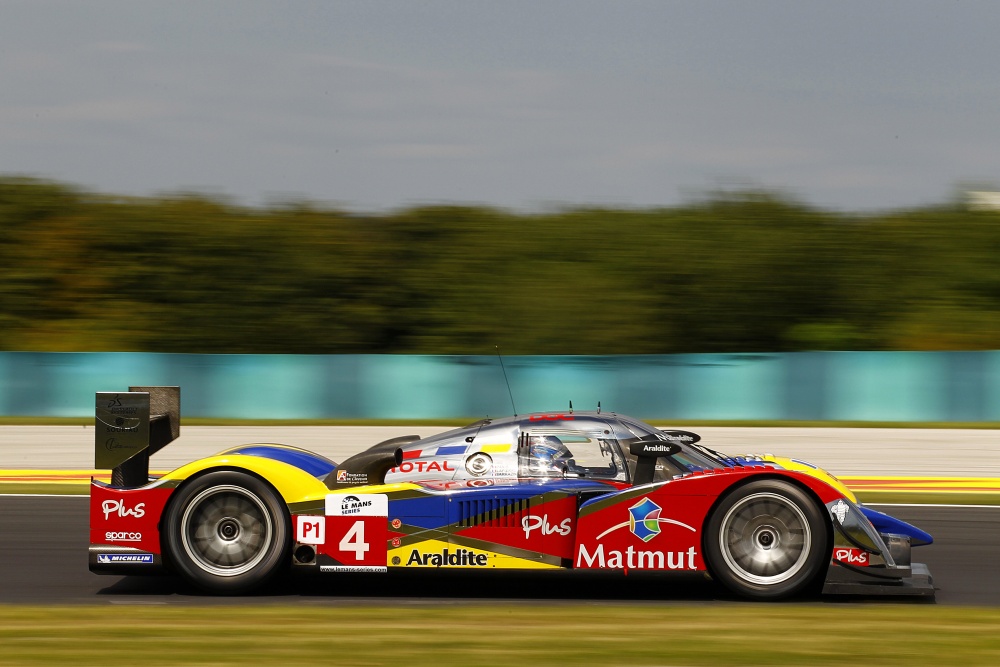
(227, 532)
(766, 540)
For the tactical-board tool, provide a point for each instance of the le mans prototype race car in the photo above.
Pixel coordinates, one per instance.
(569, 491)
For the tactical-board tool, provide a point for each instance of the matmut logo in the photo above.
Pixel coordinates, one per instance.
(635, 559)
(644, 519)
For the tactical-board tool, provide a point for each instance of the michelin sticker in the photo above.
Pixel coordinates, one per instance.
(142, 559)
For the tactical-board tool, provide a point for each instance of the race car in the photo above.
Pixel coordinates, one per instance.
(584, 491)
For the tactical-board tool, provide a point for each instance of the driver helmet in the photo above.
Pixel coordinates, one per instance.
(547, 451)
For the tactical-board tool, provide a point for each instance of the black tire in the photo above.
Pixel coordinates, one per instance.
(227, 532)
(766, 540)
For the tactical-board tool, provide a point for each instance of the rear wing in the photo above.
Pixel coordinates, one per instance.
(131, 426)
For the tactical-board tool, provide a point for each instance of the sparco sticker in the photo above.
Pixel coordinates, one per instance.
(357, 504)
(123, 536)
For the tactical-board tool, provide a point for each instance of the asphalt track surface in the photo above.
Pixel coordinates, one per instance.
(43, 560)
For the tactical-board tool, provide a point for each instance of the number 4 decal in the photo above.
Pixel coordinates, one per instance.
(356, 533)
(354, 541)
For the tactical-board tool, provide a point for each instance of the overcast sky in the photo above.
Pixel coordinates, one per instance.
(853, 104)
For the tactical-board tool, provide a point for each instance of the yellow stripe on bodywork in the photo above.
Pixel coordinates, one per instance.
(294, 484)
(388, 489)
(818, 473)
(495, 449)
(413, 556)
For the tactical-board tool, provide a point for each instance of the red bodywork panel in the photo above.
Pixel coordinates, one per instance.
(127, 517)
(546, 528)
(660, 527)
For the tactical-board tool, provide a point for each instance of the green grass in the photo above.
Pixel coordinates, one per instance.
(503, 634)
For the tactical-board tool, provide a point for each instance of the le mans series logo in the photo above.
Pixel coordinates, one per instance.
(354, 505)
(357, 504)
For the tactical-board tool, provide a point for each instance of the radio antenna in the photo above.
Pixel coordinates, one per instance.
(506, 381)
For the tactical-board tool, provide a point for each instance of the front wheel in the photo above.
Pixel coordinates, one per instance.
(227, 532)
(766, 540)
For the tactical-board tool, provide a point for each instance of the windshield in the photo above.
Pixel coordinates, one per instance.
(571, 454)
(691, 458)
(719, 457)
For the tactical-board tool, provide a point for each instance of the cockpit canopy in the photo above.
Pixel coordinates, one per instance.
(587, 445)
(570, 454)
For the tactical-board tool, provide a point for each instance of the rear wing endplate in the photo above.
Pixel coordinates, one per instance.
(131, 426)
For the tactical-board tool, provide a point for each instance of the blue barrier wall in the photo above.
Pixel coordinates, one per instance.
(855, 386)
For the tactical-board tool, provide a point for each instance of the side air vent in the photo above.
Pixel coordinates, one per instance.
(491, 513)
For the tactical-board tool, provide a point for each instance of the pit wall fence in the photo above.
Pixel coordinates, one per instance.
(820, 386)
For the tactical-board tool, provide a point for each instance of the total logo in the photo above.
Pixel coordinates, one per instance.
(112, 536)
(424, 466)
(552, 417)
(851, 556)
(541, 523)
(118, 508)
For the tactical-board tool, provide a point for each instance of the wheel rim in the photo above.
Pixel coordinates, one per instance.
(765, 538)
(226, 530)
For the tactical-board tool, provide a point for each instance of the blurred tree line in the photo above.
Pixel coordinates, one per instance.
(733, 273)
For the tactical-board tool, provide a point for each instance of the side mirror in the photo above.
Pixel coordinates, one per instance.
(647, 451)
(681, 436)
(654, 449)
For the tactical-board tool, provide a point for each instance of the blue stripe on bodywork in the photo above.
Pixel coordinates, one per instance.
(423, 511)
(889, 524)
(451, 450)
(437, 509)
(315, 465)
